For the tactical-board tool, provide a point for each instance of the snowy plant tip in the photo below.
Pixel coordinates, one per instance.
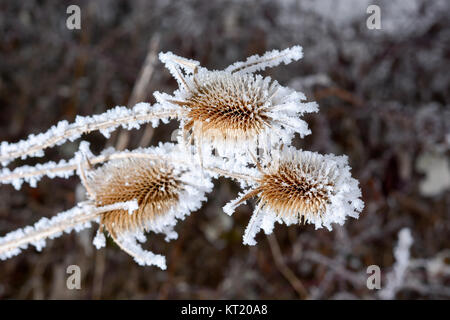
(402, 254)
(237, 109)
(66, 168)
(302, 187)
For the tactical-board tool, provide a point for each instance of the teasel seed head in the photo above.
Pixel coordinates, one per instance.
(164, 190)
(301, 187)
(234, 111)
(228, 108)
(155, 186)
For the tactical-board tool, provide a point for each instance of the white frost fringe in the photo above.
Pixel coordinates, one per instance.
(77, 218)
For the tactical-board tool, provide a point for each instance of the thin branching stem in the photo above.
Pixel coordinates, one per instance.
(68, 167)
(75, 130)
(294, 281)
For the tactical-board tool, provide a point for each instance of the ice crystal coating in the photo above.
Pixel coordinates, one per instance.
(164, 189)
(99, 240)
(267, 60)
(302, 187)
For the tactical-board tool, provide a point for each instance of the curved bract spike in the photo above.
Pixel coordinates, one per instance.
(128, 243)
(268, 60)
(188, 65)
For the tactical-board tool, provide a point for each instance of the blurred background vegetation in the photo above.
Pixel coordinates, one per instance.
(384, 99)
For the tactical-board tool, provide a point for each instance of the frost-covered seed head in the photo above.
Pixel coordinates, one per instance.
(155, 186)
(301, 187)
(235, 111)
(296, 189)
(230, 106)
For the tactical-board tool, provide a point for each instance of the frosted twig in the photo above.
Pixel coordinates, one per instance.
(63, 131)
(77, 218)
(284, 269)
(268, 60)
(82, 174)
(140, 89)
(234, 175)
(173, 64)
(65, 169)
(189, 65)
(402, 259)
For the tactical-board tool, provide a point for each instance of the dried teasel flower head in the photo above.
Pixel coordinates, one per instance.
(301, 186)
(233, 111)
(165, 189)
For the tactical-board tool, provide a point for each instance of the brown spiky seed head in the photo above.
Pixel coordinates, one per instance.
(153, 184)
(229, 106)
(295, 189)
(297, 186)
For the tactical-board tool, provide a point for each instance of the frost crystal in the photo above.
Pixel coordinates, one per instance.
(268, 60)
(99, 240)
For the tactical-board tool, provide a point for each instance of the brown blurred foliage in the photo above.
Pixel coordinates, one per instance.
(384, 101)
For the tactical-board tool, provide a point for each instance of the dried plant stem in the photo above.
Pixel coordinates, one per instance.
(237, 176)
(74, 130)
(68, 220)
(68, 167)
(132, 253)
(284, 269)
(271, 58)
(44, 234)
(140, 92)
(99, 270)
